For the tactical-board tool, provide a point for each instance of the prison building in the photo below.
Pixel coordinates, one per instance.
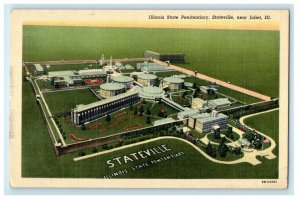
(151, 93)
(172, 83)
(207, 89)
(188, 84)
(186, 114)
(163, 121)
(121, 79)
(111, 89)
(219, 103)
(198, 103)
(204, 122)
(150, 67)
(85, 113)
(39, 70)
(172, 57)
(190, 112)
(147, 79)
(69, 78)
(91, 73)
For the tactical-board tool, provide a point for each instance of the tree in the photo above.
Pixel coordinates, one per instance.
(210, 150)
(148, 121)
(258, 145)
(144, 101)
(135, 112)
(237, 150)
(130, 107)
(141, 109)
(217, 134)
(223, 150)
(83, 127)
(94, 150)
(81, 153)
(229, 132)
(108, 118)
(148, 111)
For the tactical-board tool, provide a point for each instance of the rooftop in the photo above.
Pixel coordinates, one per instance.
(219, 101)
(38, 67)
(60, 73)
(173, 80)
(122, 79)
(163, 121)
(188, 113)
(82, 107)
(147, 76)
(206, 117)
(151, 92)
(112, 86)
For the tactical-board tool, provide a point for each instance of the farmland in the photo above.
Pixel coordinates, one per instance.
(246, 58)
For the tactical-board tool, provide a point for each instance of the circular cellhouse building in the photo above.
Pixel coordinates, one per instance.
(121, 79)
(151, 92)
(173, 83)
(147, 79)
(111, 89)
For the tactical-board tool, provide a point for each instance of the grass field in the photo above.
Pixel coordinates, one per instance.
(244, 57)
(64, 101)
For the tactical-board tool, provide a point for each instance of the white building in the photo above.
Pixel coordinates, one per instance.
(198, 103)
(219, 103)
(205, 122)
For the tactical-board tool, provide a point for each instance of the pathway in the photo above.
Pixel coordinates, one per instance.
(214, 80)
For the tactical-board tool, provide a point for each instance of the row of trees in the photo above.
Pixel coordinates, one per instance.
(222, 149)
(246, 110)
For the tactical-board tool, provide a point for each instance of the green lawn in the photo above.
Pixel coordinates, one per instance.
(247, 58)
(64, 101)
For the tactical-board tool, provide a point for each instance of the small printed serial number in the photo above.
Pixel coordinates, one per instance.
(269, 181)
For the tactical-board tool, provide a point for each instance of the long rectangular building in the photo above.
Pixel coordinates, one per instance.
(172, 57)
(204, 122)
(85, 113)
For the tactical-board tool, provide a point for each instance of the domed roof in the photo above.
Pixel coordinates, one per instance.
(151, 92)
(173, 80)
(122, 79)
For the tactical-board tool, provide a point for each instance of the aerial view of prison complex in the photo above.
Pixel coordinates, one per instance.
(150, 103)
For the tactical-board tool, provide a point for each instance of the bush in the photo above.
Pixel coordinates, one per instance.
(81, 153)
(108, 118)
(94, 150)
(83, 127)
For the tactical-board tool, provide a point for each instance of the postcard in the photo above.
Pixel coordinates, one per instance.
(149, 98)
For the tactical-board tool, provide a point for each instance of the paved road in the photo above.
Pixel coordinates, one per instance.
(219, 82)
